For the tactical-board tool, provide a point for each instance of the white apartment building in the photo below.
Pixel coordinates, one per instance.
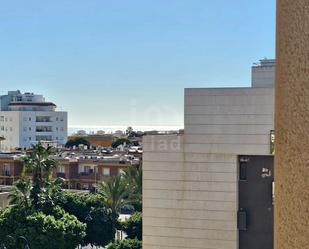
(26, 118)
(191, 180)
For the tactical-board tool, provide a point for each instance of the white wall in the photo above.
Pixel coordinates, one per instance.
(20, 128)
(190, 190)
(11, 128)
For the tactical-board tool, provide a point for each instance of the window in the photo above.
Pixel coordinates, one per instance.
(11, 119)
(6, 119)
(57, 118)
(25, 119)
(56, 128)
(25, 128)
(29, 138)
(106, 171)
(2, 128)
(60, 169)
(243, 171)
(29, 128)
(6, 169)
(11, 128)
(86, 169)
(85, 186)
(29, 119)
(1, 118)
(43, 119)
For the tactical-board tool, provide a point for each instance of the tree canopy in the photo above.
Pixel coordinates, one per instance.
(76, 141)
(126, 244)
(133, 226)
(62, 231)
(90, 209)
(120, 141)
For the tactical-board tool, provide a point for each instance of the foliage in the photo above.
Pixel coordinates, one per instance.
(76, 141)
(126, 244)
(35, 213)
(133, 226)
(21, 193)
(40, 163)
(42, 231)
(133, 176)
(90, 209)
(115, 193)
(120, 141)
(129, 130)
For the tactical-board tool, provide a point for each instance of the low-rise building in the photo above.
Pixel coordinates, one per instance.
(80, 170)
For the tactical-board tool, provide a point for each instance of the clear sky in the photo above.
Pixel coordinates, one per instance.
(126, 62)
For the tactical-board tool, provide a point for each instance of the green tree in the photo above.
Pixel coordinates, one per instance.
(133, 175)
(39, 163)
(115, 193)
(20, 196)
(90, 209)
(120, 141)
(126, 244)
(62, 231)
(76, 141)
(133, 226)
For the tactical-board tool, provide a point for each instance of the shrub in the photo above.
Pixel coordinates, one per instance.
(126, 244)
(89, 209)
(133, 226)
(41, 230)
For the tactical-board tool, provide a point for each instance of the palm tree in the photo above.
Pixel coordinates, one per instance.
(134, 178)
(115, 193)
(21, 194)
(40, 163)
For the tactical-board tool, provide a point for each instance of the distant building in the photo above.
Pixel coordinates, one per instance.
(263, 73)
(119, 133)
(100, 132)
(104, 140)
(79, 170)
(26, 118)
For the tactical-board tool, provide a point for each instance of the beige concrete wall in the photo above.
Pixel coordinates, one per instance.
(292, 122)
(190, 181)
(224, 123)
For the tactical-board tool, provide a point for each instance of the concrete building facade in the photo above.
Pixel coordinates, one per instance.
(292, 119)
(190, 180)
(26, 118)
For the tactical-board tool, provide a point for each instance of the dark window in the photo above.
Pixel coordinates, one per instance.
(243, 171)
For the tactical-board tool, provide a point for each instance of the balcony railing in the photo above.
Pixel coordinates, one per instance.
(6, 173)
(43, 130)
(43, 119)
(59, 174)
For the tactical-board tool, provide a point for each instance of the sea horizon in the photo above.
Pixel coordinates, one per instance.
(112, 128)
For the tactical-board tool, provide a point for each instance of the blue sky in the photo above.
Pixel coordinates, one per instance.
(127, 62)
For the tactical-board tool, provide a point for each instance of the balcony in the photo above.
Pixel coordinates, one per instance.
(44, 129)
(6, 173)
(61, 175)
(43, 138)
(89, 176)
(43, 119)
